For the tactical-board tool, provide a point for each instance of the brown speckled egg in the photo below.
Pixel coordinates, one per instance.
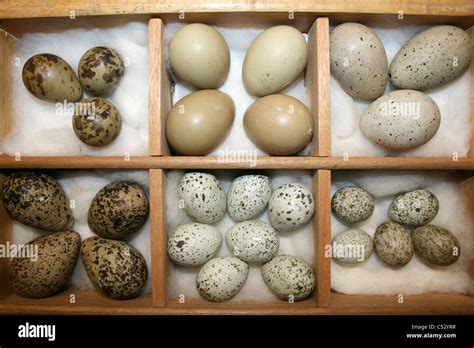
(43, 266)
(96, 122)
(436, 245)
(37, 200)
(289, 277)
(100, 71)
(393, 244)
(118, 210)
(114, 267)
(414, 208)
(352, 247)
(352, 204)
(50, 78)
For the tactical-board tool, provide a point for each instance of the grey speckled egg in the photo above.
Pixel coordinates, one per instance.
(47, 270)
(50, 78)
(96, 122)
(431, 58)
(248, 196)
(414, 208)
(194, 244)
(100, 71)
(401, 120)
(393, 244)
(352, 247)
(203, 197)
(352, 204)
(436, 245)
(116, 268)
(37, 200)
(289, 277)
(118, 210)
(291, 206)
(253, 241)
(358, 61)
(221, 278)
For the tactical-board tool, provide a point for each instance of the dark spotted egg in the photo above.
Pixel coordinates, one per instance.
(352, 204)
(436, 245)
(393, 244)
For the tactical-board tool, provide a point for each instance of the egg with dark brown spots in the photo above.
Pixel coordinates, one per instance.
(100, 71)
(37, 200)
(118, 210)
(115, 268)
(96, 122)
(50, 78)
(352, 204)
(414, 208)
(436, 245)
(43, 266)
(393, 244)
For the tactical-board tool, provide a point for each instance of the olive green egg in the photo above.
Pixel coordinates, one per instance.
(436, 245)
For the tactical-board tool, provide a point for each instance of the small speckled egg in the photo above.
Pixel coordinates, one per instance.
(96, 122)
(248, 196)
(37, 200)
(431, 58)
(289, 277)
(194, 244)
(253, 241)
(414, 208)
(352, 247)
(100, 71)
(115, 268)
(202, 197)
(393, 244)
(358, 61)
(47, 270)
(436, 245)
(50, 78)
(118, 210)
(221, 278)
(291, 206)
(401, 120)
(352, 204)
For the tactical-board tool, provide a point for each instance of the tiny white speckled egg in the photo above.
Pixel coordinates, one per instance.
(352, 247)
(393, 244)
(291, 206)
(194, 244)
(289, 277)
(352, 204)
(253, 241)
(221, 278)
(414, 208)
(203, 197)
(248, 196)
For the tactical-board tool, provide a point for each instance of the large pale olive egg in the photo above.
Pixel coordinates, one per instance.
(279, 124)
(436, 245)
(200, 56)
(49, 77)
(274, 60)
(199, 122)
(393, 244)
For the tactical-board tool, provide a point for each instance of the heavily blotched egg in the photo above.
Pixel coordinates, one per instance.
(358, 61)
(248, 196)
(194, 244)
(352, 204)
(37, 200)
(118, 210)
(253, 241)
(352, 247)
(289, 277)
(274, 60)
(96, 122)
(414, 208)
(291, 206)
(100, 71)
(202, 197)
(436, 245)
(221, 278)
(115, 268)
(50, 78)
(393, 244)
(43, 266)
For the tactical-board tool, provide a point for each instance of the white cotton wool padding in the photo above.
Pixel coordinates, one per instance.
(182, 280)
(82, 187)
(238, 41)
(40, 128)
(452, 99)
(373, 277)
